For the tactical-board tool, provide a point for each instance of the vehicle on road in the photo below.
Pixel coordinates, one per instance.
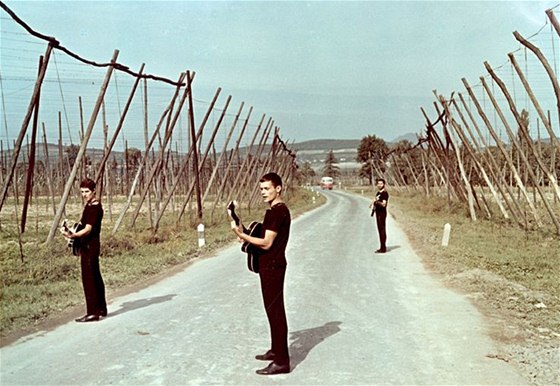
(327, 183)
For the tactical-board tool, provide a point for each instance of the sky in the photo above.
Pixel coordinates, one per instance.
(321, 70)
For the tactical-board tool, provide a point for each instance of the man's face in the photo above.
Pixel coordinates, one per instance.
(87, 194)
(380, 185)
(269, 192)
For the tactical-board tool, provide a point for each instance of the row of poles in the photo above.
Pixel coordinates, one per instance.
(205, 176)
(464, 156)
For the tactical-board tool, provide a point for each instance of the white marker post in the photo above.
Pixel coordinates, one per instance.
(201, 240)
(446, 234)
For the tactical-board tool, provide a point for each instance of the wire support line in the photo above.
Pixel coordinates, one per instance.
(56, 44)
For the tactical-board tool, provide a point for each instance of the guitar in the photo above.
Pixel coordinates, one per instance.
(74, 244)
(256, 230)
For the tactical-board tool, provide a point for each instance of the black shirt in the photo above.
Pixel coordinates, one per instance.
(276, 219)
(379, 197)
(92, 215)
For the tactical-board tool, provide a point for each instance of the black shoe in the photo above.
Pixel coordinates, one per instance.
(267, 356)
(274, 368)
(88, 318)
(380, 250)
(103, 313)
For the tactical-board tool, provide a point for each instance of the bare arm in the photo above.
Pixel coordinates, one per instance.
(263, 243)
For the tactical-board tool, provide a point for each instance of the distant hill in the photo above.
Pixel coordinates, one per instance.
(327, 144)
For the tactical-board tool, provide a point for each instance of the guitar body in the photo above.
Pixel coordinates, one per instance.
(253, 253)
(255, 229)
(73, 244)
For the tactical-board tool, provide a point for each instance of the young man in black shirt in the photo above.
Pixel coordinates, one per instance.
(380, 207)
(89, 249)
(272, 271)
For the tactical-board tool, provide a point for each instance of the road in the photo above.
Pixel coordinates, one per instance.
(355, 318)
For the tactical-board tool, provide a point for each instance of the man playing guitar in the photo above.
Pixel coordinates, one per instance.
(272, 271)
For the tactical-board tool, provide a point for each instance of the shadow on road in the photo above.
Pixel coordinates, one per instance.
(141, 303)
(303, 341)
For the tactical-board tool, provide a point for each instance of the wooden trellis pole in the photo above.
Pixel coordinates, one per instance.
(468, 187)
(532, 146)
(201, 165)
(111, 144)
(32, 103)
(553, 20)
(241, 173)
(544, 119)
(546, 65)
(231, 159)
(31, 168)
(48, 170)
(186, 160)
(525, 131)
(500, 145)
(222, 153)
(492, 164)
(476, 161)
(143, 164)
(87, 135)
(168, 131)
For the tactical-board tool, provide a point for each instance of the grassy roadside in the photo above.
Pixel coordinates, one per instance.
(520, 269)
(48, 282)
(510, 275)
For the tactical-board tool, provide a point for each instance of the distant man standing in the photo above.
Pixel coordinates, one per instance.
(379, 204)
(272, 271)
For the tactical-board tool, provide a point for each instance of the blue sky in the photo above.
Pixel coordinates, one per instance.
(320, 69)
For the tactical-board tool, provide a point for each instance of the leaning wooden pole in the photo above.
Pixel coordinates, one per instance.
(500, 145)
(109, 147)
(546, 65)
(229, 163)
(201, 164)
(81, 152)
(222, 153)
(186, 160)
(555, 23)
(542, 115)
(17, 146)
(31, 167)
(163, 145)
(523, 156)
(525, 131)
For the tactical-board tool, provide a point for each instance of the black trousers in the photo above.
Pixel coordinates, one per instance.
(272, 287)
(381, 218)
(94, 288)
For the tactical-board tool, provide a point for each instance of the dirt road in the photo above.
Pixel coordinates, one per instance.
(355, 317)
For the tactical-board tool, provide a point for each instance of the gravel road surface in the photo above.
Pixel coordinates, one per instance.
(355, 318)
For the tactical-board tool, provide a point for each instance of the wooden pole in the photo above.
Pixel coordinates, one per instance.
(222, 153)
(81, 152)
(169, 129)
(31, 167)
(25, 124)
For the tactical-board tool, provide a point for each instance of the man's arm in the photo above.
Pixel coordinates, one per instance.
(263, 243)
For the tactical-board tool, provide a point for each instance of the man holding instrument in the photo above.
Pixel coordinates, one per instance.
(272, 271)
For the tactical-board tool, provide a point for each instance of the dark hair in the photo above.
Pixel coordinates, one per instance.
(382, 180)
(88, 183)
(272, 177)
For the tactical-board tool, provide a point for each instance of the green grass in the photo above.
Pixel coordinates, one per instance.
(48, 279)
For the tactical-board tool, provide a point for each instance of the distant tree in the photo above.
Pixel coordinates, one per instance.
(372, 152)
(331, 168)
(306, 172)
(72, 153)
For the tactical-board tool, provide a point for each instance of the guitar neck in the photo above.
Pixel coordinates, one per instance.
(233, 215)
